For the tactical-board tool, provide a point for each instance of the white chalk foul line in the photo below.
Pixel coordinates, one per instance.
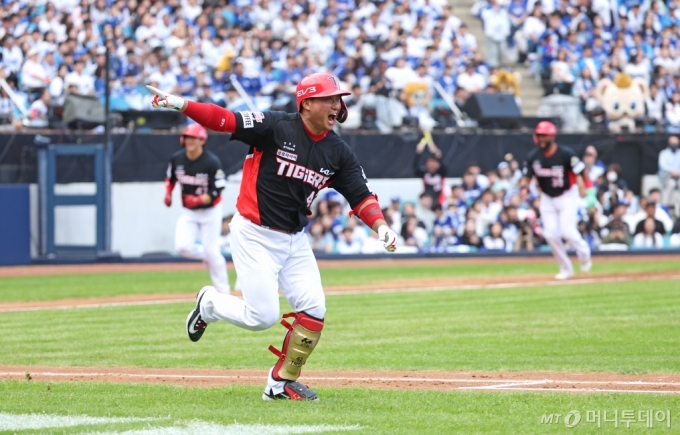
(506, 285)
(501, 384)
(582, 390)
(205, 428)
(19, 422)
(508, 385)
(41, 421)
(99, 305)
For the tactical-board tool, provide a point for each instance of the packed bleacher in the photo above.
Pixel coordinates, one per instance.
(571, 46)
(197, 48)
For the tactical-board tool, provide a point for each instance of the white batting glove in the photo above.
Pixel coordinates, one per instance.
(388, 237)
(164, 100)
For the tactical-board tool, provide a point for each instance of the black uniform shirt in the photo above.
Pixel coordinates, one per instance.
(555, 174)
(433, 184)
(285, 169)
(196, 177)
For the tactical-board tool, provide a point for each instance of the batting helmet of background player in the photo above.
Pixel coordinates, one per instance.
(321, 85)
(193, 130)
(546, 128)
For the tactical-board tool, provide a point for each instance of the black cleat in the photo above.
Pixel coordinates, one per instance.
(195, 324)
(292, 391)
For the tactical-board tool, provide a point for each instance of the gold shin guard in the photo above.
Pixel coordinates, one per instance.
(300, 341)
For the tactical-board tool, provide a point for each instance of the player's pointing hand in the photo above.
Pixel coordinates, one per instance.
(164, 100)
(388, 237)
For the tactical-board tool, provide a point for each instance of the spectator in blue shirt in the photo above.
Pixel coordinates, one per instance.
(448, 81)
(572, 47)
(600, 52)
(445, 226)
(270, 79)
(471, 190)
(186, 82)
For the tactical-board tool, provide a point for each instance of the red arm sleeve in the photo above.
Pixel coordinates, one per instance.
(169, 185)
(371, 213)
(211, 116)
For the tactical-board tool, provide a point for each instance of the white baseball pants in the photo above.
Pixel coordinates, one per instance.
(266, 261)
(559, 216)
(206, 225)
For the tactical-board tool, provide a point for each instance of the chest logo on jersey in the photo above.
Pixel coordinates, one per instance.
(291, 170)
(290, 146)
(287, 155)
(540, 171)
(326, 172)
(191, 180)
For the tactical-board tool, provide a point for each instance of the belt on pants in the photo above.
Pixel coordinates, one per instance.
(278, 230)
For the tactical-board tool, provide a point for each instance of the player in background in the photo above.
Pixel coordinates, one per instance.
(559, 173)
(433, 173)
(292, 157)
(201, 180)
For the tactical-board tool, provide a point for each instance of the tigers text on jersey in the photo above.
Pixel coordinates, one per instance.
(285, 169)
(197, 177)
(555, 174)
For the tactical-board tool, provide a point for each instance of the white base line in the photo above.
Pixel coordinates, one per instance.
(504, 285)
(507, 285)
(503, 385)
(584, 390)
(101, 305)
(508, 385)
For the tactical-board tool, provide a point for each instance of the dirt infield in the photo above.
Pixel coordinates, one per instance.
(402, 285)
(391, 380)
(9, 271)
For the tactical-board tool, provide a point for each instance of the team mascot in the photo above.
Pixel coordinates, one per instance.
(623, 100)
(506, 82)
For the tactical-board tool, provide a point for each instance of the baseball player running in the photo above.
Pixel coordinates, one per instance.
(201, 178)
(292, 156)
(559, 173)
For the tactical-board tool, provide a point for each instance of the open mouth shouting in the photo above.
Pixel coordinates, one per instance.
(331, 118)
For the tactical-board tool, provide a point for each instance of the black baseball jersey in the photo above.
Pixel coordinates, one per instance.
(196, 177)
(555, 174)
(285, 169)
(433, 184)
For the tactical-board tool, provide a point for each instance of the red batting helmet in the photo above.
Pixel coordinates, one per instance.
(194, 130)
(545, 128)
(321, 85)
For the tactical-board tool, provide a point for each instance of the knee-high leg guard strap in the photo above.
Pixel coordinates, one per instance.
(300, 341)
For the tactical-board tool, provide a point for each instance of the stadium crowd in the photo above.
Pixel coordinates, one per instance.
(195, 47)
(489, 212)
(572, 45)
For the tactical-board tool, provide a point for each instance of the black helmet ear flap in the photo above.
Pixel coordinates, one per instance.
(342, 115)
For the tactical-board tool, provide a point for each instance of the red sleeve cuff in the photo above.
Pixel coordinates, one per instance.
(169, 185)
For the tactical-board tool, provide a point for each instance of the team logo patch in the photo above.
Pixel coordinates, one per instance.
(287, 155)
(247, 119)
(258, 116)
(574, 161)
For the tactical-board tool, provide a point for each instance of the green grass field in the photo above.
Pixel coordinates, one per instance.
(628, 327)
